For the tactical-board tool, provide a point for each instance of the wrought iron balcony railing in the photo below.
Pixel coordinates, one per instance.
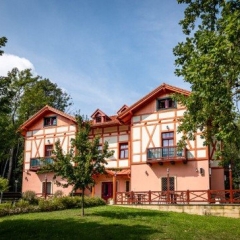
(37, 163)
(166, 154)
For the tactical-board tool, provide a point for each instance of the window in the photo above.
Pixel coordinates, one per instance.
(49, 187)
(123, 150)
(50, 121)
(48, 150)
(167, 143)
(165, 184)
(98, 118)
(100, 148)
(165, 103)
(127, 186)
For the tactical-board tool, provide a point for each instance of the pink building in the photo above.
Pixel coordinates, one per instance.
(144, 139)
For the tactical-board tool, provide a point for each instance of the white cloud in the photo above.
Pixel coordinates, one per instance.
(8, 62)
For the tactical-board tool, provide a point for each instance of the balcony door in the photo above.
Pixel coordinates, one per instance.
(167, 144)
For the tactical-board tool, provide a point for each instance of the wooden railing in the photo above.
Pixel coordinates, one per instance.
(179, 197)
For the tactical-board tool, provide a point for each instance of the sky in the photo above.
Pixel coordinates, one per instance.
(103, 53)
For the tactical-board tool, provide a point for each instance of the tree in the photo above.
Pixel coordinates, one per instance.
(3, 41)
(3, 187)
(4, 85)
(26, 94)
(83, 161)
(209, 60)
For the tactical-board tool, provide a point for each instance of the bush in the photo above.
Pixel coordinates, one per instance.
(58, 193)
(30, 196)
(71, 202)
(22, 204)
(51, 204)
(48, 205)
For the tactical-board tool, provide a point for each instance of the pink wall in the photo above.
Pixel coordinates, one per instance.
(145, 178)
(33, 182)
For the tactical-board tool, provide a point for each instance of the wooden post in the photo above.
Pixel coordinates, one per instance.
(114, 187)
(149, 197)
(168, 193)
(188, 196)
(45, 192)
(230, 182)
(93, 191)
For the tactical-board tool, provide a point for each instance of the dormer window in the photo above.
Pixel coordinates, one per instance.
(165, 103)
(98, 119)
(50, 121)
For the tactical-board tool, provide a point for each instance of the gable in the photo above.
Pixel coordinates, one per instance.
(100, 117)
(46, 117)
(147, 104)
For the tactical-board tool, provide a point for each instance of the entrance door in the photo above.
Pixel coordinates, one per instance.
(107, 190)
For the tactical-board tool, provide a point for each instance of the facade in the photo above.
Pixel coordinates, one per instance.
(144, 139)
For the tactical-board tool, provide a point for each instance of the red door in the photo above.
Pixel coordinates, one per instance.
(107, 190)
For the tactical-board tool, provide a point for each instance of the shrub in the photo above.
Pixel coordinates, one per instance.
(30, 196)
(47, 205)
(51, 204)
(58, 193)
(71, 202)
(22, 203)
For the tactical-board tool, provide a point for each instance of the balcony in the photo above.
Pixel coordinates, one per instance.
(37, 163)
(162, 155)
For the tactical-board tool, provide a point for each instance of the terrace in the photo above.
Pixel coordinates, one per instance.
(179, 197)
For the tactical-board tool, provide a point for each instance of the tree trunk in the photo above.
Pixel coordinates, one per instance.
(10, 164)
(5, 167)
(83, 190)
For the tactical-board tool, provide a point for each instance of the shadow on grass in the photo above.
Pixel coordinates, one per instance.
(88, 227)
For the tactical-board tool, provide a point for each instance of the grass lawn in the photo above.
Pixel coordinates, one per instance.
(111, 222)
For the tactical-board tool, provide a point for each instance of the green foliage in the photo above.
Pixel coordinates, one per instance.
(30, 196)
(3, 41)
(58, 193)
(22, 204)
(83, 161)
(3, 184)
(21, 95)
(51, 204)
(209, 60)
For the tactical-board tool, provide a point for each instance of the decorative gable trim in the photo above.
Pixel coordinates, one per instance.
(40, 114)
(122, 109)
(100, 117)
(125, 116)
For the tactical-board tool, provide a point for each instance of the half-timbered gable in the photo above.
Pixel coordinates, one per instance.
(41, 132)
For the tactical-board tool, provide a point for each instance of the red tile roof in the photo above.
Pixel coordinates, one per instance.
(122, 172)
(151, 96)
(41, 113)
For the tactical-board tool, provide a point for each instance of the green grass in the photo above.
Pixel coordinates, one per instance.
(111, 222)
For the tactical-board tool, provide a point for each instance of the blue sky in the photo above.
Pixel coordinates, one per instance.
(104, 53)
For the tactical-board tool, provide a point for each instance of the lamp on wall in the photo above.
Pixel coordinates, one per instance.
(167, 127)
(48, 141)
(201, 171)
